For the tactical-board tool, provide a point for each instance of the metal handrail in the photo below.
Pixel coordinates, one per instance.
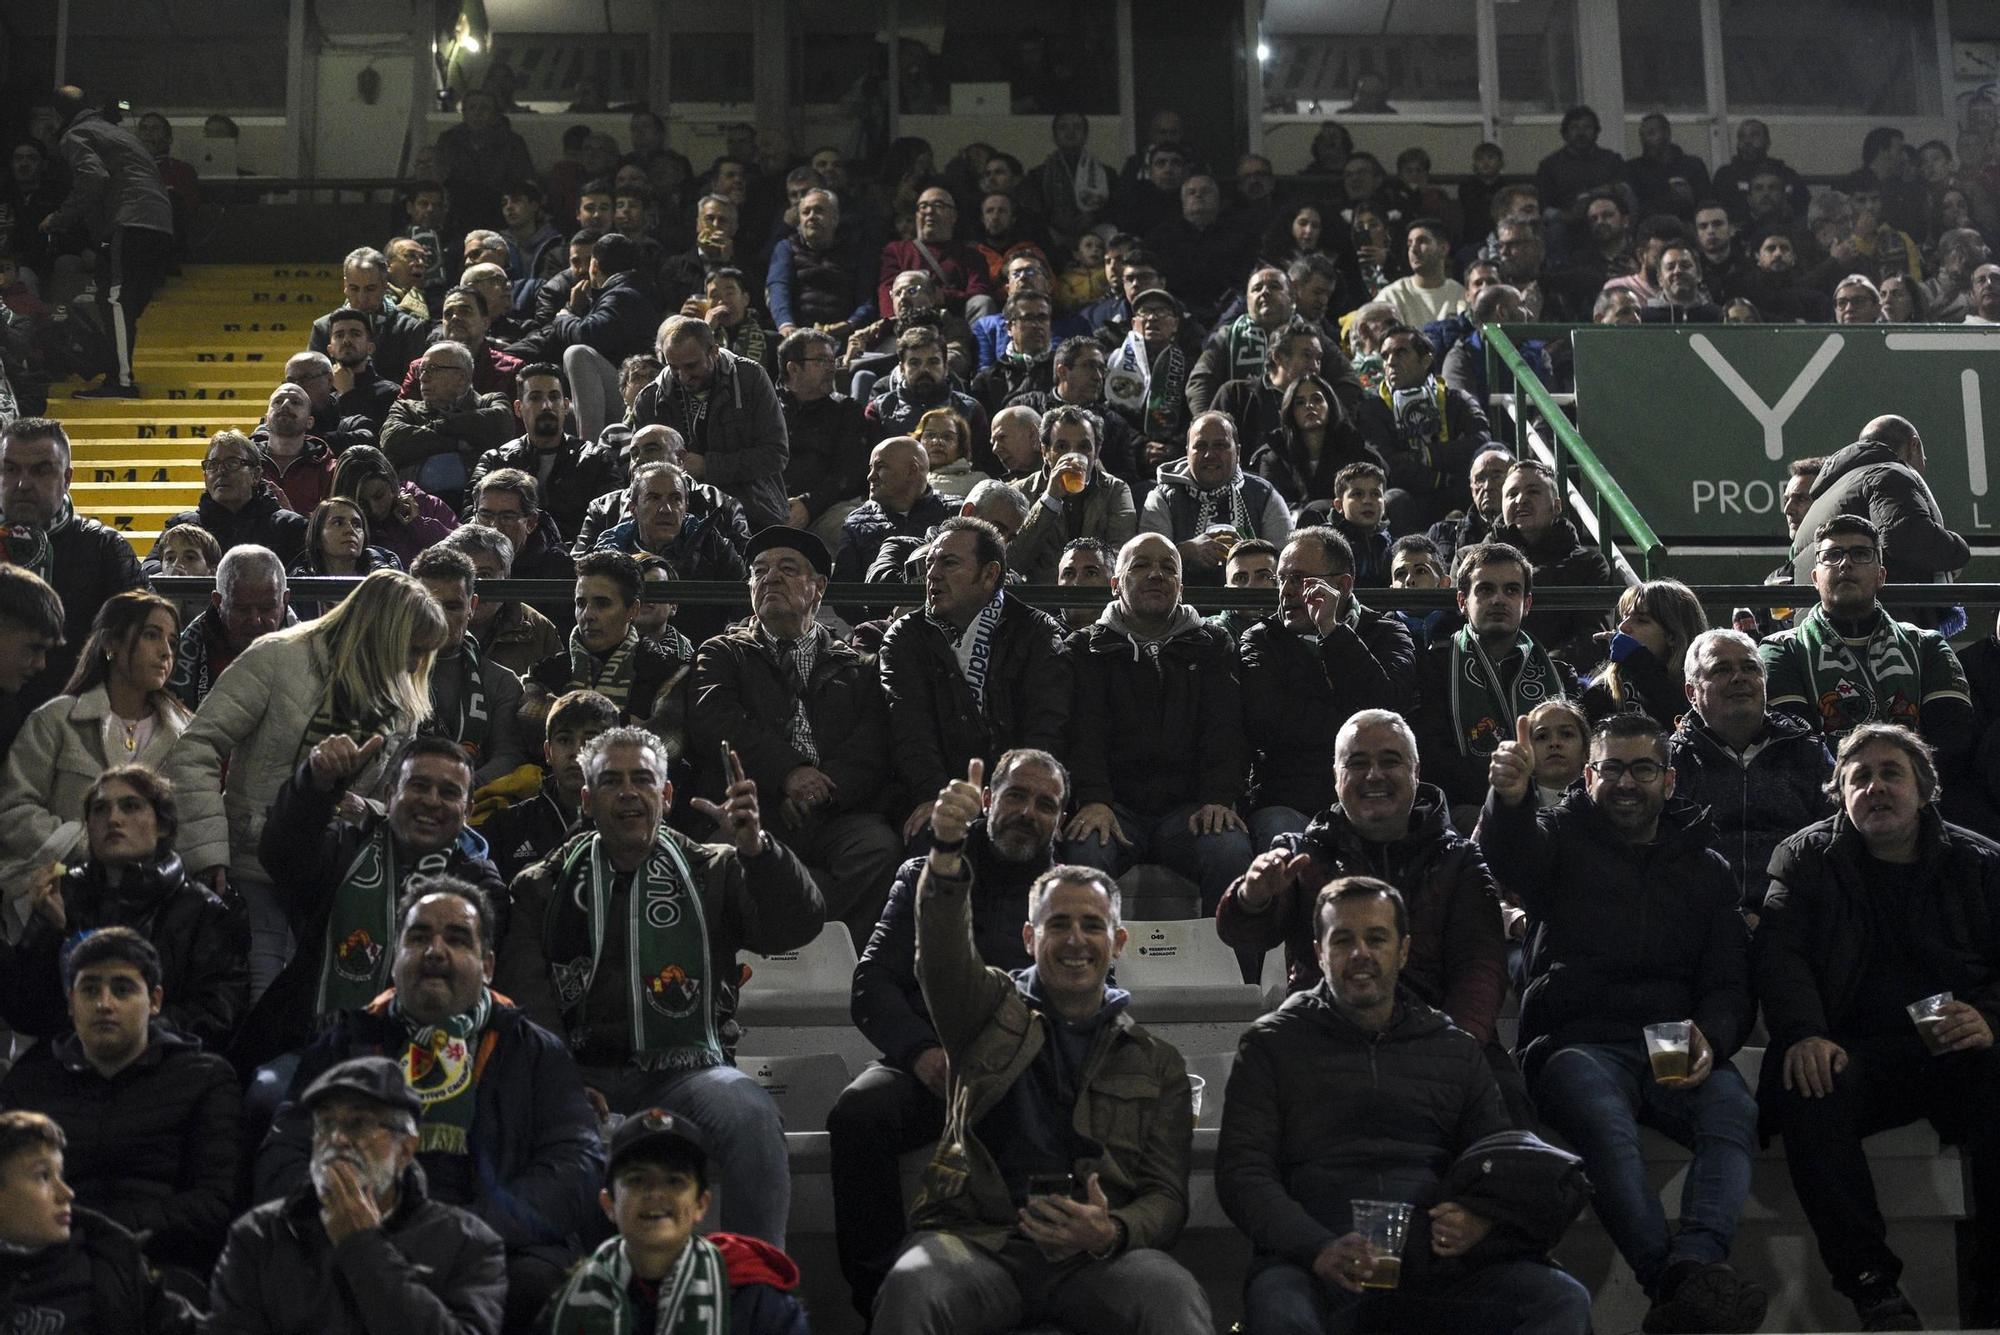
(1569, 446)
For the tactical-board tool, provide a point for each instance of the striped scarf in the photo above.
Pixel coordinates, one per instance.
(1483, 708)
(597, 1297)
(611, 678)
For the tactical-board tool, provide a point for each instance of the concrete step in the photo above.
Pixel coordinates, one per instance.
(150, 470)
(198, 272)
(121, 497)
(180, 448)
(168, 425)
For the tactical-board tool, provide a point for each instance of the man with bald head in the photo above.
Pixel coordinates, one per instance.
(1881, 476)
(965, 279)
(901, 503)
(1985, 304)
(314, 372)
(297, 462)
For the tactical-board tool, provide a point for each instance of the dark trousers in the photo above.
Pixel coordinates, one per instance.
(882, 1116)
(1889, 1081)
(133, 265)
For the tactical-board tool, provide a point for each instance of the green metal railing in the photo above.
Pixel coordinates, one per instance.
(1576, 464)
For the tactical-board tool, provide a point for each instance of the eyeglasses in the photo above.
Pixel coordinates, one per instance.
(1641, 771)
(493, 518)
(353, 1129)
(936, 206)
(1859, 557)
(822, 360)
(224, 466)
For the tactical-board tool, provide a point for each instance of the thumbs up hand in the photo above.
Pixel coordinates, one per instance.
(1512, 768)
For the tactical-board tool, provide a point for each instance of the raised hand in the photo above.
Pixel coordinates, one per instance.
(737, 817)
(1271, 873)
(1512, 768)
(336, 761)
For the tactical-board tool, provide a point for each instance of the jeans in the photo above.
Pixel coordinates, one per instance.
(1889, 1081)
(593, 388)
(944, 1285)
(746, 1137)
(882, 1116)
(270, 933)
(1267, 823)
(1510, 1298)
(1212, 861)
(853, 858)
(1596, 1095)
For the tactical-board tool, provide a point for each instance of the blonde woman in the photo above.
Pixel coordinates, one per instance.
(1642, 671)
(363, 669)
(115, 710)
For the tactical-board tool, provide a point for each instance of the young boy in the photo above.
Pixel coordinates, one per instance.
(658, 1276)
(526, 832)
(735, 327)
(1416, 563)
(64, 1268)
(1356, 513)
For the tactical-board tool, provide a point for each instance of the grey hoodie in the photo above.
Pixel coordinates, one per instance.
(114, 181)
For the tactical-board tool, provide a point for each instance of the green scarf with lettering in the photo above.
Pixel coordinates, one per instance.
(611, 678)
(30, 547)
(1845, 689)
(441, 1066)
(597, 1297)
(361, 923)
(1483, 708)
(669, 989)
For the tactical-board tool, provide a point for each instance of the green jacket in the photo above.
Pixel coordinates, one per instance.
(1134, 1100)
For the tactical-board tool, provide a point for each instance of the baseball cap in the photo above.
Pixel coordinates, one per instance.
(655, 1129)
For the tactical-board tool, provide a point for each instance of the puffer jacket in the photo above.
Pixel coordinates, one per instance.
(1132, 1098)
(1754, 804)
(154, 1146)
(99, 1276)
(204, 946)
(871, 524)
(263, 520)
(741, 439)
(1319, 1113)
(59, 754)
(1154, 728)
(1622, 935)
(1458, 953)
(1870, 479)
(935, 722)
(1299, 690)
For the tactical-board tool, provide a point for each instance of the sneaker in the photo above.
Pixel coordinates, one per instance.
(1670, 1314)
(1881, 1305)
(1716, 1298)
(110, 389)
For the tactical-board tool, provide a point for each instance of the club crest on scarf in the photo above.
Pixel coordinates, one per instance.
(673, 993)
(358, 956)
(571, 980)
(439, 1069)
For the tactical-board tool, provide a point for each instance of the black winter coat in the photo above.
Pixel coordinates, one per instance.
(935, 722)
(1151, 734)
(1320, 1113)
(263, 520)
(1870, 479)
(88, 564)
(1623, 935)
(153, 1147)
(537, 1159)
(1561, 556)
(870, 525)
(99, 1277)
(1461, 775)
(829, 459)
(579, 477)
(1298, 691)
(1755, 806)
(204, 947)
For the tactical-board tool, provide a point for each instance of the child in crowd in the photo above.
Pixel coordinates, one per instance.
(1416, 563)
(1356, 513)
(736, 328)
(1561, 733)
(1084, 281)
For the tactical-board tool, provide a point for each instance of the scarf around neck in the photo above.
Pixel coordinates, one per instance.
(1224, 505)
(468, 729)
(611, 677)
(973, 647)
(1844, 688)
(1483, 708)
(441, 1064)
(32, 547)
(597, 1297)
(361, 923)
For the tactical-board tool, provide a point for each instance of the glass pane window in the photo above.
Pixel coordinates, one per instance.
(1027, 57)
(1659, 47)
(1864, 57)
(1537, 48)
(1372, 57)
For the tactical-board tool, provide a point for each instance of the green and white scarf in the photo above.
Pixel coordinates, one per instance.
(30, 547)
(1151, 389)
(361, 924)
(1246, 347)
(669, 988)
(441, 1066)
(1845, 689)
(597, 1297)
(1224, 505)
(469, 728)
(611, 678)
(1483, 708)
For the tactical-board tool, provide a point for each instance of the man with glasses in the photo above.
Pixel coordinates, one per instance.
(313, 372)
(238, 506)
(1635, 924)
(993, 335)
(1026, 367)
(507, 500)
(435, 439)
(361, 1247)
(1849, 662)
(961, 271)
(1761, 773)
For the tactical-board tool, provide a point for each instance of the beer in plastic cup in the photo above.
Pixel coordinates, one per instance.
(1072, 474)
(1670, 1048)
(1929, 1017)
(1384, 1224)
(1196, 1084)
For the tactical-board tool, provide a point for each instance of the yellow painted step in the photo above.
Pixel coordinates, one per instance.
(137, 469)
(123, 497)
(160, 449)
(203, 325)
(126, 517)
(174, 354)
(146, 409)
(124, 434)
(198, 272)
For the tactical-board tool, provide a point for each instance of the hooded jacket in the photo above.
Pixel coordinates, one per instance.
(204, 946)
(1156, 724)
(1319, 1112)
(1298, 691)
(741, 438)
(114, 180)
(1622, 935)
(1755, 802)
(1458, 953)
(1174, 503)
(153, 1147)
(1870, 479)
(99, 1276)
(429, 1268)
(536, 1156)
(263, 521)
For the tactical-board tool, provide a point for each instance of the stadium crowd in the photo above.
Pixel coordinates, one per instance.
(384, 952)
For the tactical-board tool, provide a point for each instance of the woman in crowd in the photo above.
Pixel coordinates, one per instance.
(338, 542)
(1642, 671)
(1315, 440)
(947, 439)
(403, 518)
(1902, 299)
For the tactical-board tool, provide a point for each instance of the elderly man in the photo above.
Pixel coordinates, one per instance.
(901, 503)
(398, 336)
(1488, 479)
(1204, 501)
(505, 1132)
(361, 1248)
(296, 462)
(435, 440)
(1849, 662)
(1532, 522)
(1074, 494)
(1870, 912)
(1014, 438)
(828, 465)
(819, 279)
(1307, 667)
(996, 1244)
(1597, 874)
(239, 505)
(725, 410)
(510, 633)
(82, 560)
(1201, 254)
(469, 318)
(1761, 773)
(1156, 739)
(650, 1014)
(313, 372)
(248, 602)
(509, 501)
(625, 451)
(694, 546)
(961, 270)
(475, 701)
(1297, 1150)
(568, 476)
(343, 876)
(1984, 307)
(805, 712)
(1240, 350)
(973, 673)
(897, 1104)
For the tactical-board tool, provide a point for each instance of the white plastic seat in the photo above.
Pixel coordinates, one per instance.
(808, 986)
(1182, 971)
(804, 1088)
